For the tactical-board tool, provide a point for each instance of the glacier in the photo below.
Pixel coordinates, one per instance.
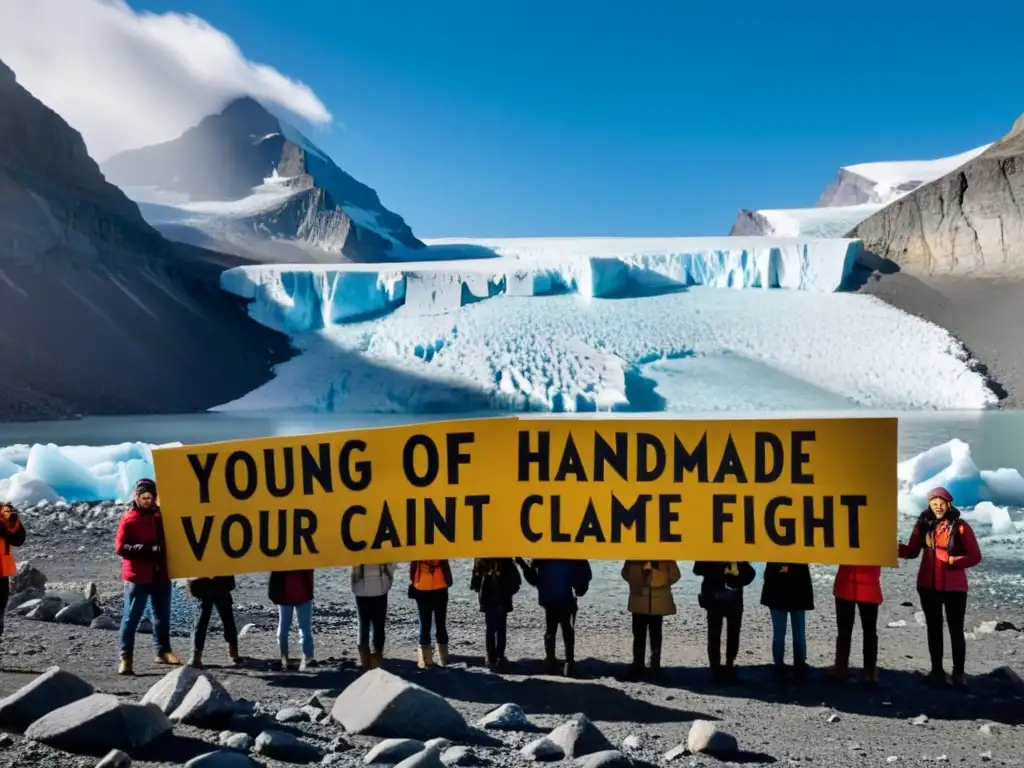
(301, 298)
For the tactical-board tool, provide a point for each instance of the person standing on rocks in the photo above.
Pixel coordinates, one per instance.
(12, 531)
(721, 595)
(140, 544)
(857, 589)
(370, 585)
(429, 581)
(788, 593)
(948, 547)
(496, 581)
(650, 601)
(292, 593)
(213, 593)
(559, 584)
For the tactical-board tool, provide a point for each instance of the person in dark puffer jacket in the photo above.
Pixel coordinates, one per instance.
(140, 544)
(789, 594)
(213, 593)
(948, 547)
(496, 581)
(721, 595)
(559, 583)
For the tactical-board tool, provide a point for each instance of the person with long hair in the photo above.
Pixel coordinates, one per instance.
(496, 581)
(12, 534)
(948, 547)
(429, 582)
(370, 585)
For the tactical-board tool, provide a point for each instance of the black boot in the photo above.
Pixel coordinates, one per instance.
(569, 669)
(550, 662)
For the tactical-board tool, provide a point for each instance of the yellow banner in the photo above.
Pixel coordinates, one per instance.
(802, 491)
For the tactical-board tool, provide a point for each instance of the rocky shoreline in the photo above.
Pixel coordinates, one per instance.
(900, 721)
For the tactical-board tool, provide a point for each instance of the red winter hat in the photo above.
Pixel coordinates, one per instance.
(940, 493)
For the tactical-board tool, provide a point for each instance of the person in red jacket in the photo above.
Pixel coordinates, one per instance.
(140, 544)
(857, 589)
(12, 534)
(948, 547)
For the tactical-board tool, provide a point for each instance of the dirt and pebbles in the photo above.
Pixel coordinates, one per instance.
(900, 722)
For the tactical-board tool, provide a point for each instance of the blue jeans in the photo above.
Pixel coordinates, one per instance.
(779, 619)
(135, 598)
(304, 615)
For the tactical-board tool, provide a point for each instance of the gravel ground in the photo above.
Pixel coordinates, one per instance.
(813, 724)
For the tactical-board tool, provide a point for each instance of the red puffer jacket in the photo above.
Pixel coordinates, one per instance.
(935, 547)
(140, 544)
(859, 584)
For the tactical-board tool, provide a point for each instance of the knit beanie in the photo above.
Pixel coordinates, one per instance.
(940, 493)
(145, 485)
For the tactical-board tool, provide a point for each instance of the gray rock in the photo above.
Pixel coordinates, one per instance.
(675, 753)
(315, 714)
(578, 736)
(988, 729)
(986, 756)
(463, 756)
(99, 723)
(222, 758)
(292, 715)
(393, 751)
(705, 737)
(609, 758)
(440, 744)
(507, 717)
(19, 599)
(244, 631)
(90, 592)
(189, 695)
(46, 609)
(920, 720)
(278, 745)
(52, 690)
(631, 742)
(339, 744)
(381, 704)
(240, 741)
(751, 223)
(542, 750)
(26, 607)
(80, 614)
(103, 621)
(27, 576)
(334, 758)
(6, 741)
(428, 758)
(115, 758)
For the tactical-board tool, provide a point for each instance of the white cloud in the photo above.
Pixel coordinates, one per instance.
(127, 79)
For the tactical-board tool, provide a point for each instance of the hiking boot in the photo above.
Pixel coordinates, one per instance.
(168, 657)
(195, 660)
(364, 657)
(442, 654)
(937, 678)
(376, 658)
(307, 663)
(125, 667)
(569, 669)
(869, 675)
(550, 665)
(959, 680)
(425, 657)
(283, 662)
(236, 659)
(503, 664)
(635, 672)
(656, 664)
(837, 672)
(490, 662)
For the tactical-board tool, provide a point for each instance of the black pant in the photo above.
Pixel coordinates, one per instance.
(433, 610)
(846, 611)
(955, 603)
(225, 610)
(733, 620)
(373, 612)
(642, 625)
(496, 629)
(5, 594)
(564, 617)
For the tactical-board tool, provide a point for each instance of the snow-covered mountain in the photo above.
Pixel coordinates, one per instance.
(858, 191)
(243, 181)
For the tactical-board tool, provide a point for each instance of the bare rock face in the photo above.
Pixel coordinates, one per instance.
(970, 222)
(751, 223)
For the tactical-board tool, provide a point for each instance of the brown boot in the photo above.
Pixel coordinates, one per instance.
(364, 657)
(168, 657)
(837, 672)
(376, 658)
(425, 657)
(125, 667)
(442, 655)
(233, 654)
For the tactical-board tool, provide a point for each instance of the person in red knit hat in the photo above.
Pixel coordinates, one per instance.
(948, 547)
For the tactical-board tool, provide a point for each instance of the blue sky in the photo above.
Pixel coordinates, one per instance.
(563, 118)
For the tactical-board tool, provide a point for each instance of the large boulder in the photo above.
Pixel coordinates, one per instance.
(578, 736)
(80, 613)
(507, 717)
(393, 751)
(27, 576)
(99, 723)
(191, 696)
(46, 609)
(18, 599)
(705, 737)
(381, 704)
(52, 690)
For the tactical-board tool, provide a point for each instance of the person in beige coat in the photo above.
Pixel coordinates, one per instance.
(650, 601)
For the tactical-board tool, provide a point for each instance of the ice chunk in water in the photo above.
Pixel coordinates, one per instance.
(950, 465)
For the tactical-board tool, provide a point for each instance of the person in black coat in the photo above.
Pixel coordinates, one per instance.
(495, 580)
(789, 594)
(721, 595)
(214, 592)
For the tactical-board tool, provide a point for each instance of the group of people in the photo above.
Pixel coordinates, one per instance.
(944, 541)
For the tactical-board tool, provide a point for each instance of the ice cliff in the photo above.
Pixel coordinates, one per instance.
(296, 298)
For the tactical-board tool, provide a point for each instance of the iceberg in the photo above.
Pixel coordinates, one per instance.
(950, 465)
(302, 298)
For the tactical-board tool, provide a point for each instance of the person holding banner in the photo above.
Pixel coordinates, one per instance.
(788, 593)
(948, 547)
(496, 581)
(650, 601)
(721, 595)
(12, 532)
(559, 583)
(370, 585)
(429, 581)
(292, 593)
(213, 592)
(140, 544)
(857, 589)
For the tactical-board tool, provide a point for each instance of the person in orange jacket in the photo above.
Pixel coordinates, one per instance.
(857, 589)
(429, 581)
(12, 534)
